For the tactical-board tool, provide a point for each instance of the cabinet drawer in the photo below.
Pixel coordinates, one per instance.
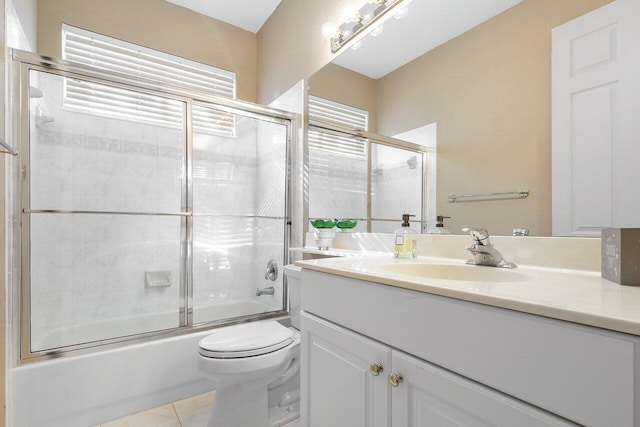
(581, 373)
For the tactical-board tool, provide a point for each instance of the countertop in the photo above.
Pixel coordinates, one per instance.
(570, 295)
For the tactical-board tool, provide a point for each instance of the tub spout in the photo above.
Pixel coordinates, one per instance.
(265, 291)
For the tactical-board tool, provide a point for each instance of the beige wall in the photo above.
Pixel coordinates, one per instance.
(347, 87)
(489, 90)
(159, 25)
(291, 46)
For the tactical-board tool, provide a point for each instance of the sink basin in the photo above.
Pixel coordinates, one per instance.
(467, 273)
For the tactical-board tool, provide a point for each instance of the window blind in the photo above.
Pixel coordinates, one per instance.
(115, 55)
(335, 112)
(343, 115)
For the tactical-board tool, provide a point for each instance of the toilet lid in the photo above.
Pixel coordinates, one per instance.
(245, 340)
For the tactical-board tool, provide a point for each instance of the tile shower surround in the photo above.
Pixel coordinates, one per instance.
(90, 267)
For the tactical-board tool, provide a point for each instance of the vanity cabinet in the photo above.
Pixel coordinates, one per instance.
(346, 379)
(461, 363)
(351, 380)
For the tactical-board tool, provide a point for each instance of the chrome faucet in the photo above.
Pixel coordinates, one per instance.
(483, 251)
(265, 291)
(271, 273)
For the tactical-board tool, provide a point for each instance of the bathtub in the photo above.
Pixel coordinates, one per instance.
(89, 389)
(132, 325)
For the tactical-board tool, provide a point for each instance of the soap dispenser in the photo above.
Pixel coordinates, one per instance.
(439, 228)
(405, 245)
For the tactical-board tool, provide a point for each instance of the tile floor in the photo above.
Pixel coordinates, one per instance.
(192, 412)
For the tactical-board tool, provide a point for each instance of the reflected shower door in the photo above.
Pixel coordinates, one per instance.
(396, 187)
(103, 212)
(239, 213)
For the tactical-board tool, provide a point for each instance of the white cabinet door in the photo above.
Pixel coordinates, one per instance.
(337, 386)
(595, 126)
(429, 396)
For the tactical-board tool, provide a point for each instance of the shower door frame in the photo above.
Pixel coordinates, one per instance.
(24, 62)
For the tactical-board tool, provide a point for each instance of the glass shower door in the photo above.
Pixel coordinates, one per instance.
(396, 187)
(103, 212)
(239, 213)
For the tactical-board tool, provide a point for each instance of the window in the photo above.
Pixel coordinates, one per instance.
(115, 55)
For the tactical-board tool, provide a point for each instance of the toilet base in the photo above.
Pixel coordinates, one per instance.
(226, 411)
(279, 416)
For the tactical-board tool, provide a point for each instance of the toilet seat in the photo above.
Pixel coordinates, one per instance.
(246, 340)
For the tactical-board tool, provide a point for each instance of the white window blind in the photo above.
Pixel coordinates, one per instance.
(340, 114)
(115, 55)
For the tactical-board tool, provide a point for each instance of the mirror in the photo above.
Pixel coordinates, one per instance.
(485, 94)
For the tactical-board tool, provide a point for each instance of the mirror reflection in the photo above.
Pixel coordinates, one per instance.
(483, 93)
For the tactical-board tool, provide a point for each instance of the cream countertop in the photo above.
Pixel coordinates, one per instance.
(571, 295)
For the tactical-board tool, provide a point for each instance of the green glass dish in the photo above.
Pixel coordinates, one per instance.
(323, 223)
(346, 224)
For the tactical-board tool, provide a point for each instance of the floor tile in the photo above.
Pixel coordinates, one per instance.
(162, 416)
(195, 411)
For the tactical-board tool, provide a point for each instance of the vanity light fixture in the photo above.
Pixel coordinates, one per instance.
(367, 19)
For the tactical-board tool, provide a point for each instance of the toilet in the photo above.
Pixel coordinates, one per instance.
(255, 368)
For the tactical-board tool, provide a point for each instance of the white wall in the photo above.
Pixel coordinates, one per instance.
(22, 20)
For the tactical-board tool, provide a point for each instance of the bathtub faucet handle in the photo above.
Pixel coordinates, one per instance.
(271, 273)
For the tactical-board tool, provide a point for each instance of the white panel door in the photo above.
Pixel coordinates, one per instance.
(338, 387)
(429, 396)
(595, 126)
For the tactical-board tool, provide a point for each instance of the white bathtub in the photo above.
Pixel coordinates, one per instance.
(90, 389)
(132, 325)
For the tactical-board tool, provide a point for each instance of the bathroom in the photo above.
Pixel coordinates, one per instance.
(505, 106)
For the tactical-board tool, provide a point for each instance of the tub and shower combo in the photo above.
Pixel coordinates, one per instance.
(144, 215)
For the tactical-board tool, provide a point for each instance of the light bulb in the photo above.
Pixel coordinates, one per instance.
(328, 30)
(348, 13)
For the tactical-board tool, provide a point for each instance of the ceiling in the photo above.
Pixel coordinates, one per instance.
(249, 15)
(428, 24)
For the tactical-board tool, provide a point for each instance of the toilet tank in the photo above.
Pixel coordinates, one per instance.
(293, 283)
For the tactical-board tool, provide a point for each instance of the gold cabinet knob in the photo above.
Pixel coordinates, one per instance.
(395, 379)
(375, 369)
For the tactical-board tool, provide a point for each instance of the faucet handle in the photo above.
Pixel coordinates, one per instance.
(480, 235)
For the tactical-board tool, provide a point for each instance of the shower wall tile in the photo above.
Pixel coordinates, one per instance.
(397, 188)
(224, 171)
(85, 162)
(271, 184)
(93, 267)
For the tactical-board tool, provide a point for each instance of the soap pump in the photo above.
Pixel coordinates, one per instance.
(439, 228)
(405, 245)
